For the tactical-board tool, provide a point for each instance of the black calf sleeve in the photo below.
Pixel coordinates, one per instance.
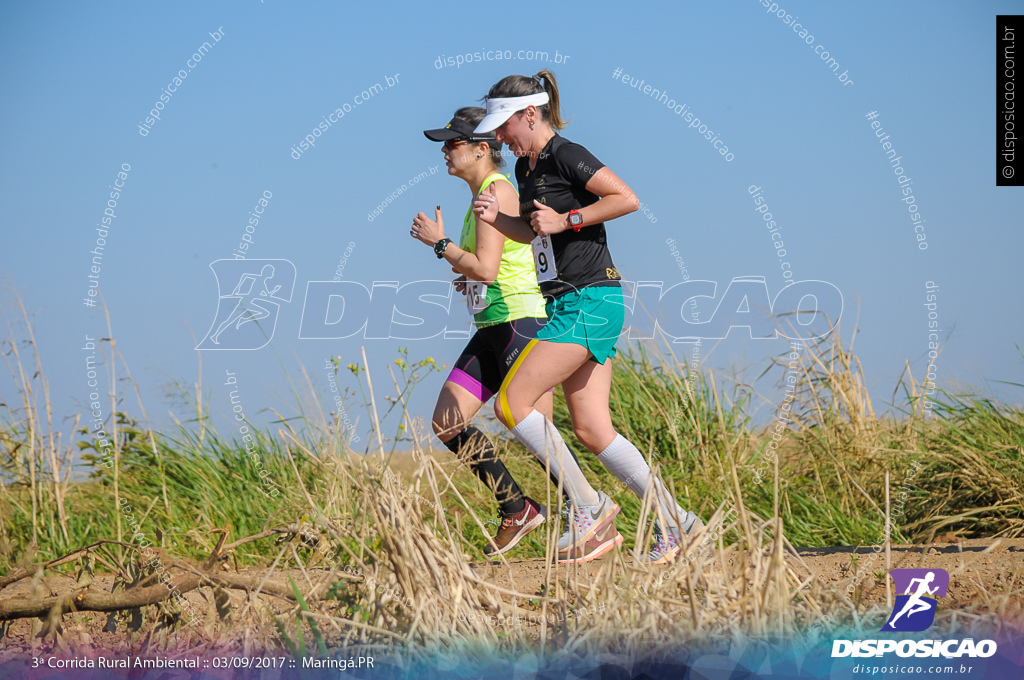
(476, 449)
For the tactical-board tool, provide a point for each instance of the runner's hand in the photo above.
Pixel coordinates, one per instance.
(545, 221)
(460, 284)
(427, 230)
(486, 205)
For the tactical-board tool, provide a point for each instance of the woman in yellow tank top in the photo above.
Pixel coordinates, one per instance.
(500, 284)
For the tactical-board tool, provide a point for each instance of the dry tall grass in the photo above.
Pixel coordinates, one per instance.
(394, 560)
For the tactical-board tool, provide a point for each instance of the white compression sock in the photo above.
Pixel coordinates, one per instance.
(540, 435)
(627, 463)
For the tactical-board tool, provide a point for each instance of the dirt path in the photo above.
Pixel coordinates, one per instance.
(980, 571)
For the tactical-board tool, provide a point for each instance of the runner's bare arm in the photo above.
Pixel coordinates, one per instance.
(479, 266)
(483, 264)
(617, 199)
(507, 221)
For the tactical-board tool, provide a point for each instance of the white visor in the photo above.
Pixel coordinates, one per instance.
(501, 109)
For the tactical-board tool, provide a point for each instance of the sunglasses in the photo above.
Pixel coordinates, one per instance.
(453, 144)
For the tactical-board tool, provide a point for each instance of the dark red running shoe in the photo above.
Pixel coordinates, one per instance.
(514, 527)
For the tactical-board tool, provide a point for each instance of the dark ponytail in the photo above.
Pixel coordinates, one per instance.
(520, 86)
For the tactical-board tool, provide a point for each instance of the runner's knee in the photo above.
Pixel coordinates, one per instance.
(502, 410)
(593, 436)
(447, 423)
(443, 433)
(586, 436)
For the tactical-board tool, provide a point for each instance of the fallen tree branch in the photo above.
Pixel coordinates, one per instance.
(32, 569)
(97, 601)
(147, 592)
(91, 600)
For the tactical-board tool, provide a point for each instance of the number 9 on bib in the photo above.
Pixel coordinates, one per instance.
(544, 258)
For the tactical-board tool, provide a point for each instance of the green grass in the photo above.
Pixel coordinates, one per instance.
(184, 484)
(399, 565)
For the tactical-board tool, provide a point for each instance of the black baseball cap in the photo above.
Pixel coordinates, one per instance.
(459, 128)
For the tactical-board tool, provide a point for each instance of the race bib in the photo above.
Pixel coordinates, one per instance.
(544, 258)
(476, 296)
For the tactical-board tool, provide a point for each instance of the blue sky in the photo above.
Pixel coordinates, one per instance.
(80, 80)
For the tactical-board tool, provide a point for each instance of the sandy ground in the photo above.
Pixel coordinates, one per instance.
(980, 571)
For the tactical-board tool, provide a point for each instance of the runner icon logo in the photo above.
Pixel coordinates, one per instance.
(248, 291)
(914, 609)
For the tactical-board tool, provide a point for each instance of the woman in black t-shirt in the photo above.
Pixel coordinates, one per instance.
(565, 197)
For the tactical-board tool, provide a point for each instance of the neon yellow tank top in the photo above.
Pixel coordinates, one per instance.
(514, 294)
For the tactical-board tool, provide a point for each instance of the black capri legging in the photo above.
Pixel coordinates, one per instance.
(487, 358)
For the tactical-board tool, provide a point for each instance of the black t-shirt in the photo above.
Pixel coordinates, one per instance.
(559, 181)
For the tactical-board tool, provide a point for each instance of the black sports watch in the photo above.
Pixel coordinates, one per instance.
(440, 247)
